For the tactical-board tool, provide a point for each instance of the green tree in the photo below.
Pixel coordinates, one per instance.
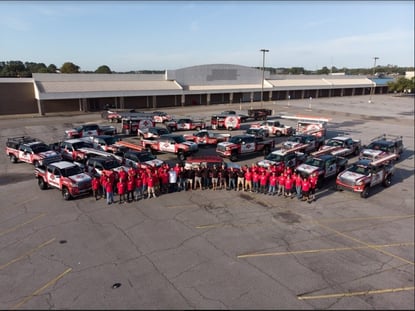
(69, 67)
(103, 69)
(401, 85)
(52, 68)
(323, 71)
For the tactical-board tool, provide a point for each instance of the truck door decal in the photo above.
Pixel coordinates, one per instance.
(53, 180)
(331, 170)
(25, 157)
(377, 178)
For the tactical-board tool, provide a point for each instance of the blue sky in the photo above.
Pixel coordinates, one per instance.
(158, 35)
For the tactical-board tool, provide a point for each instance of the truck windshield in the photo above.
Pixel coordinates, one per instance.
(235, 140)
(110, 164)
(315, 162)
(40, 148)
(274, 157)
(296, 139)
(82, 144)
(179, 139)
(378, 146)
(111, 140)
(146, 157)
(334, 143)
(360, 169)
(71, 171)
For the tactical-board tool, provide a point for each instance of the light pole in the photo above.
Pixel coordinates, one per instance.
(372, 89)
(263, 75)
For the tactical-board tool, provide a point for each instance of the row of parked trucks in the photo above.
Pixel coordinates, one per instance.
(306, 151)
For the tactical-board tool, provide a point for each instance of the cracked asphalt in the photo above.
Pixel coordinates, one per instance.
(213, 249)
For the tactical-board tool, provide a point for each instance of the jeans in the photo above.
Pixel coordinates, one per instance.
(298, 190)
(255, 186)
(232, 183)
(271, 189)
(110, 197)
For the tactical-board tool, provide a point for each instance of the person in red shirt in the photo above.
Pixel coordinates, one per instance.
(109, 189)
(130, 188)
(122, 174)
(289, 182)
(164, 181)
(313, 185)
(255, 180)
(138, 187)
(305, 188)
(263, 182)
(273, 182)
(103, 180)
(248, 180)
(281, 184)
(121, 189)
(298, 183)
(95, 187)
(151, 182)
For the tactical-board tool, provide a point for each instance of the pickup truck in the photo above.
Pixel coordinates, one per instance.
(344, 146)
(103, 142)
(229, 122)
(240, 145)
(65, 176)
(206, 137)
(259, 113)
(275, 128)
(324, 167)
(30, 150)
(311, 125)
(308, 142)
(383, 145)
(243, 117)
(171, 143)
(283, 158)
(185, 124)
(90, 129)
(365, 174)
(69, 149)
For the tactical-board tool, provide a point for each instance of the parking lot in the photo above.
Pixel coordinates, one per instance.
(208, 249)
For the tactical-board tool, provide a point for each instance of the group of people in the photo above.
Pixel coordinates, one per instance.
(149, 182)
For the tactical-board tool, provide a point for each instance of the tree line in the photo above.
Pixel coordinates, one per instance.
(18, 69)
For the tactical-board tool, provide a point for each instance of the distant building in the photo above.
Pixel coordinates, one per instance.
(197, 85)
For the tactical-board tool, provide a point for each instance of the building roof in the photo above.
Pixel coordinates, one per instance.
(215, 78)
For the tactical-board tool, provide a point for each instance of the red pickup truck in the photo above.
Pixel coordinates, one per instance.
(65, 176)
(30, 150)
(172, 143)
(240, 145)
(185, 124)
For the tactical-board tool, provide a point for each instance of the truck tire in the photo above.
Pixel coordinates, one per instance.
(13, 158)
(230, 128)
(41, 183)
(66, 194)
(278, 133)
(172, 129)
(388, 181)
(234, 157)
(198, 128)
(356, 152)
(365, 193)
(181, 156)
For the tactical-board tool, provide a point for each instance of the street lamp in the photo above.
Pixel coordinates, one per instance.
(372, 89)
(263, 75)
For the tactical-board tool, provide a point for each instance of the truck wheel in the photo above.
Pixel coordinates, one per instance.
(66, 194)
(365, 193)
(198, 128)
(36, 163)
(356, 151)
(387, 182)
(234, 157)
(172, 129)
(42, 184)
(278, 133)
(230, 128)
(13, 158)
(181, 156)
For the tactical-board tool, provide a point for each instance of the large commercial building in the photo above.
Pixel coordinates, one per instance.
(197, 85)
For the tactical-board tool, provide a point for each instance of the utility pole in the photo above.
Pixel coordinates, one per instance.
(263, 75)
(372, 89)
